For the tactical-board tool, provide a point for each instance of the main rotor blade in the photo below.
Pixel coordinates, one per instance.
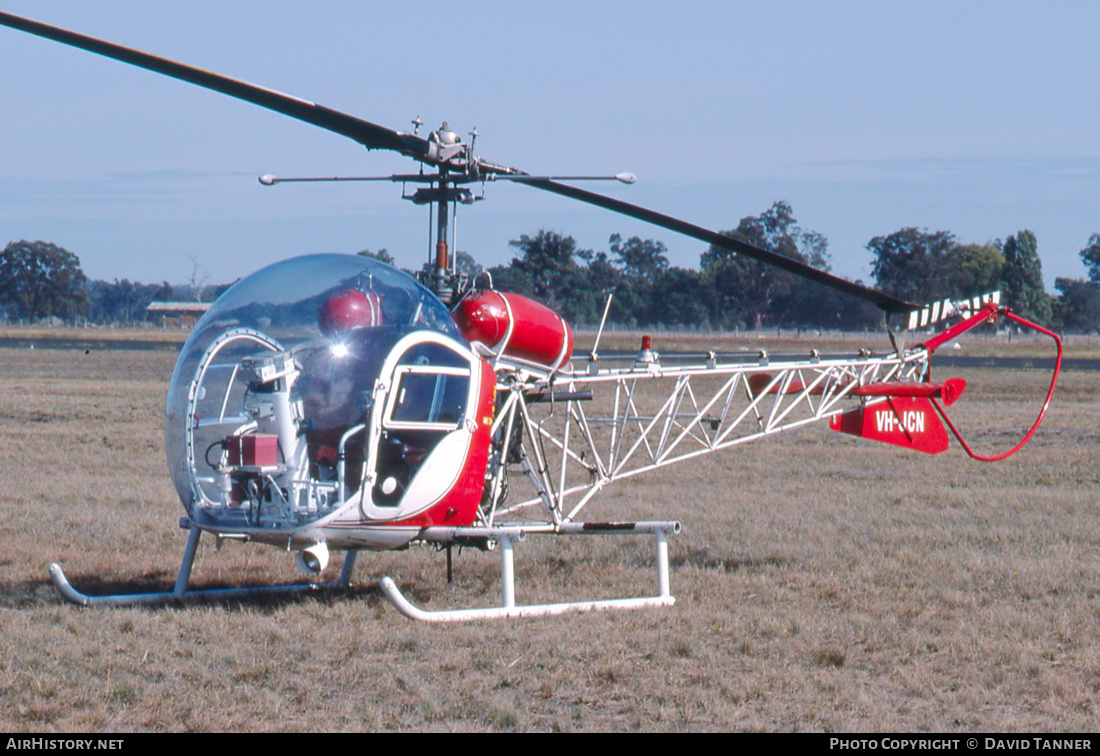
(370, 135)
(881, 299)
(375, 137)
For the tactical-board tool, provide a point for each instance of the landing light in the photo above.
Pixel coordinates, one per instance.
(312, 560)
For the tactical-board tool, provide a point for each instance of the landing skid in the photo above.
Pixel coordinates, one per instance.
(181, 594)
(506, 537)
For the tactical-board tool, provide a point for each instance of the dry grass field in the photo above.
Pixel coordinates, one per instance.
(823, 583)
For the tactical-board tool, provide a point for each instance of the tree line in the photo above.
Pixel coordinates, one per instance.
(42, 281)
(39, 280)
(730, 292)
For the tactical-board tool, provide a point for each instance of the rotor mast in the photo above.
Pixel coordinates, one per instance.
(441, 275)
(447, 149)
(449, 146)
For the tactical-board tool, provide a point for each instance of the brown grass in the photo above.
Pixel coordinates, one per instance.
(823, 583)
(133, 333)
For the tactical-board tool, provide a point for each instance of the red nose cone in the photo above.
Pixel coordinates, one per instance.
(349, 309)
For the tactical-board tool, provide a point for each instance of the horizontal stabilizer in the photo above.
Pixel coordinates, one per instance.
(937, 311)
(950, 390)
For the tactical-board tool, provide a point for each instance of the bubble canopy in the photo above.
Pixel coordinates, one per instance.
(289, 307)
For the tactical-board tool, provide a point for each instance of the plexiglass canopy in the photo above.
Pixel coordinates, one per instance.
(339, 315)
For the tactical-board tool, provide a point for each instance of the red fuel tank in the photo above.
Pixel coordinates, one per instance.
(517, 327)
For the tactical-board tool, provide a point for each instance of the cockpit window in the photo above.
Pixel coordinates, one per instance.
(430, 397)
(431, 353)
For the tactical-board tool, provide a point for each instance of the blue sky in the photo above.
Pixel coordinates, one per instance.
(979, 118)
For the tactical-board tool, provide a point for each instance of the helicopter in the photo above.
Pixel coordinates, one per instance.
(333, 403)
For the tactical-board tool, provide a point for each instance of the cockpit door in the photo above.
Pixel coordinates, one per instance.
(422, 425)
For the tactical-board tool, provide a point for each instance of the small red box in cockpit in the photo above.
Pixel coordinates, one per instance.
(253, 450)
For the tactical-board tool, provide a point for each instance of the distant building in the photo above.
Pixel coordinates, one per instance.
(176, 314)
